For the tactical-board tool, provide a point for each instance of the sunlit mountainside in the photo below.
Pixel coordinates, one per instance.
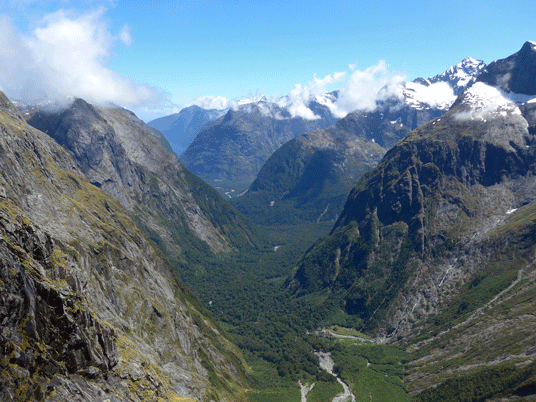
(277, 249)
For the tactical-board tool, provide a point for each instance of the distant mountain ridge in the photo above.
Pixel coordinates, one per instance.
(181, 128)
(309, 177)
(229, 153)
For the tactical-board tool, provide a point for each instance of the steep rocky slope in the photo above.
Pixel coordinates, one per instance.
(90, 309)
(436, 245)
(229, 153)
(120, 154)
(309, 178)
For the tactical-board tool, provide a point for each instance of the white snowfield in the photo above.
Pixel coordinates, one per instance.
(488, 102)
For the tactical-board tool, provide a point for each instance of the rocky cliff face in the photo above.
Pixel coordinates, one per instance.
(437, 241)
(120, 154)
(90, 309)
(515, 73)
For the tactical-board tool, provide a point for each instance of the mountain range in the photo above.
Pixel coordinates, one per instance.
(229, 152)
(309, 178)
(181, 128)
(122, 155)
(435, 247)
(431, 254)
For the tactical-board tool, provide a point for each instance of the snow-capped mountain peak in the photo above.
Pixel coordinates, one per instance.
(441, 90)
(253, 98)
(460, 76)
(327, 98)
(470, 66)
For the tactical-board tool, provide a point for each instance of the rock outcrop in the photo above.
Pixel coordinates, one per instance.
(90, 308)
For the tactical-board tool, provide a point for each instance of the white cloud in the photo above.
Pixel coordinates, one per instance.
(435, 95)
(66, 55)
(300, 96)
(364, 88)
(214, 102)
(359, 91)
(125, 35)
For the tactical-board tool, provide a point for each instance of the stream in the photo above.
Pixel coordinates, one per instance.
(305, 390)
(326, 363)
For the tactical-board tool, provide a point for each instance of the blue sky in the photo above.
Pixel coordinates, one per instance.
(154, 56)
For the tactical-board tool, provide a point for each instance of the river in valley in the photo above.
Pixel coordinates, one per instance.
(326, 363)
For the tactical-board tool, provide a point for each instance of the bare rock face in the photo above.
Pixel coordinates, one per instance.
(515, 73)
(48, 328)
(90, 309)
(122, 155)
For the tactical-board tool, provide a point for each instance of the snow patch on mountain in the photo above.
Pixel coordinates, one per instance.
(487, 102)
(327, 98)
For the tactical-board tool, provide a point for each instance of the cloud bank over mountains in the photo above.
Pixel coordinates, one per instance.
(67, 55)
(360, 90)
